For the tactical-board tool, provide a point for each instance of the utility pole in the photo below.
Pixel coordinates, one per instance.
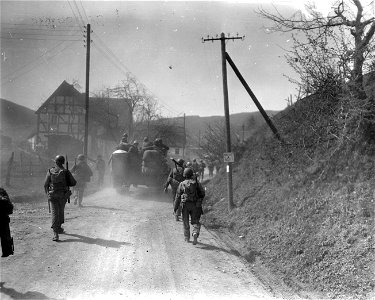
(86, 139)
(223, 39)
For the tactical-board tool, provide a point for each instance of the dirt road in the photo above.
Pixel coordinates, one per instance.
(121, 246)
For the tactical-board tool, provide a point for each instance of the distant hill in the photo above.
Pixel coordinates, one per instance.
(16, 121)
(196, 125)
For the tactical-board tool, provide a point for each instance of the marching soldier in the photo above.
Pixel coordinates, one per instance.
(6, 208)
(190, 194)
(100, 167)
(202, 167)
(82, 172)
(176, 176)
(56, 185)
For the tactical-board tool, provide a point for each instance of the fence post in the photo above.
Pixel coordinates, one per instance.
(10, 164)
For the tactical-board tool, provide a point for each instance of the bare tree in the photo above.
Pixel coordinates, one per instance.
(133, 93)
(348, 16)
(213, 141)
(148, 111)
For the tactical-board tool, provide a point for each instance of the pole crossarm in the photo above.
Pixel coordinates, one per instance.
(222, 37)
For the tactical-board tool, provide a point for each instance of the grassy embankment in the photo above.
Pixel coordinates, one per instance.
(305, 208)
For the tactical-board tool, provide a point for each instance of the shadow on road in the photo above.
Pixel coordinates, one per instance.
(96, 241)
(204, 246)
(17, 295)
(102, 207)
(151, 194)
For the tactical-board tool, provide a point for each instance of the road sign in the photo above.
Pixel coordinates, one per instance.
(228, 157)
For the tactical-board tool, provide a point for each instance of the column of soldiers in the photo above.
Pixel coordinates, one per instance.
(187, 192)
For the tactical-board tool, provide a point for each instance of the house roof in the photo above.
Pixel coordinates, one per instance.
(103, 110)
(64, 89)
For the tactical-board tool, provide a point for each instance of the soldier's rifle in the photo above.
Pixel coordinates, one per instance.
(177, 164)
(67, 168)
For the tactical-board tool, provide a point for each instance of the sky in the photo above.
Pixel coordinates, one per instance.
(42, 44)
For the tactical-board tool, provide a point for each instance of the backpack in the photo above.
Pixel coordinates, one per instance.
(178, 174)
(190, 191)
(58, 180)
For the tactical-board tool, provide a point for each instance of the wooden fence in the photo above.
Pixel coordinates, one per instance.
(23, 165)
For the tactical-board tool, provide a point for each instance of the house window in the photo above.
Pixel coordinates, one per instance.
(177, 151)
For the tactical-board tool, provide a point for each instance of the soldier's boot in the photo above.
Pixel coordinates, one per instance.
(187, 239)
(195, 237)
(55, 236)
(60, 230)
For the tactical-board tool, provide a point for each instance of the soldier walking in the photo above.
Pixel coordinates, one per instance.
(190, 195)
(100, 167)
(56, 185)
(6, 208)
(202, 167)
(176, 176)
(82, 172)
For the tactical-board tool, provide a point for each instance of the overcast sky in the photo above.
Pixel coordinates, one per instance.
(158, 42)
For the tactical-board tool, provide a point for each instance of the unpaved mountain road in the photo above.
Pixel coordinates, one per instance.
(122, 246)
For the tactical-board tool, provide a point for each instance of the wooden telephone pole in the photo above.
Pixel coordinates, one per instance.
(86, 139)
(223, 38)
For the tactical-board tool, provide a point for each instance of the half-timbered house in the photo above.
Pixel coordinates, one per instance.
(61, 122)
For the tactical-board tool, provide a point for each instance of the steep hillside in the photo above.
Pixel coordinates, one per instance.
(17, 121)
(304, 207)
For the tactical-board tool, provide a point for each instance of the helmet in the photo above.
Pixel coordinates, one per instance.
(125, 135)
(158, 141)
(135, 142)
(188, 164)
(81, 157)
(180, 161)
(145, 139)
(188, 173)
(60, 159)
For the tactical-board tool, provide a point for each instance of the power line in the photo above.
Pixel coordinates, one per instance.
(75, 16)
(84, 11)
(32, 62)
(41, 25)
(79, 13)
(38, 39)
(42, 34)
(128, 71)
(108, 52)
(2, 83)
(6, 29)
